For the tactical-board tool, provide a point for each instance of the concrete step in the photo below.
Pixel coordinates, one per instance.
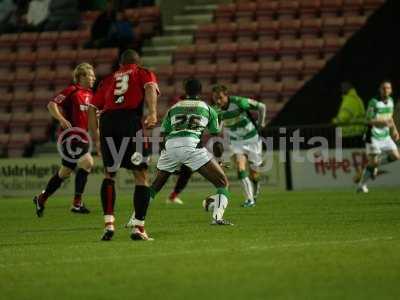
(171, 40)
(179, 29)
(200, 9)
(152, 61)
(193, 19)
(158, 50)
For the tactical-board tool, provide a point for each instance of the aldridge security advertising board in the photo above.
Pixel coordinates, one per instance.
(325, 170)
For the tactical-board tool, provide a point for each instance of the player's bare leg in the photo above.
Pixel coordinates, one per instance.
(241, 164)
(369, 172)
(85, 165)
(183, 179)
(213, 172)
(141, 200)
(52, 186)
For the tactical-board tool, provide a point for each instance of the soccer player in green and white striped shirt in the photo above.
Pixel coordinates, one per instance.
(183, 127)
(244, 140)
(381, 134)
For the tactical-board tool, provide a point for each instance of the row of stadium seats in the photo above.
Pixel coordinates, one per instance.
(16, 144)
(263, 10)
(258, 51)
(270, 30)
(273, 92)
(266, 72)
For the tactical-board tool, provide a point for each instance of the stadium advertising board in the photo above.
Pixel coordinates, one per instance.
(327, 169)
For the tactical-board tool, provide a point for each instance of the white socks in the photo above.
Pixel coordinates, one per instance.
(248, 188)
(221, 202)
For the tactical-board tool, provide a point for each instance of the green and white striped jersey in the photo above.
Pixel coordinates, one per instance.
(378, 109)
(189, 118)
(236, 118)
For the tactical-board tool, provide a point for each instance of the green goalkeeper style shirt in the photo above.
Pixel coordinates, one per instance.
(378, 109)
(189, 118)
(236, 118)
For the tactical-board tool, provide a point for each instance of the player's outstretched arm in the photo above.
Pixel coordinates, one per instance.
(151, 102)
(56, 114)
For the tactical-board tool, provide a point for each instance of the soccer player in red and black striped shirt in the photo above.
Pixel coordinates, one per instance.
(69, 108)
(120, 98)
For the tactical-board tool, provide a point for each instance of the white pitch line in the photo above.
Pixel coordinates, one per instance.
(203, 251)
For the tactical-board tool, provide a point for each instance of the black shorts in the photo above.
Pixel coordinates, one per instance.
(118, 128)
(72, 152)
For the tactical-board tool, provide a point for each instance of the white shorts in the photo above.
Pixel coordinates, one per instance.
(251, 148)
(378, 146)
(173, 157)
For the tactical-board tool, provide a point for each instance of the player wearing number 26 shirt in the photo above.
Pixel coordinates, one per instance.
(182, 128)
(120, 98)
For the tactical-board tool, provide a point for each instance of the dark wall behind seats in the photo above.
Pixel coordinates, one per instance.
(370, 56)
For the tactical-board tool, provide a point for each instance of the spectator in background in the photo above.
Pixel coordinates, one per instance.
(38, 10)
(351, 112)
(102, 26)
(7, 9)
(121, 33)
(63, 15)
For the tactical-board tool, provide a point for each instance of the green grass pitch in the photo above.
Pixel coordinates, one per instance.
(293, 245)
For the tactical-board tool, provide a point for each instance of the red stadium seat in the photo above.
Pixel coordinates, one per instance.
(65, 59)
(269, 71)
(7, 60)
(47, 40)
(4, 138)
(19, 121)
(332, 45)
(287, 9)
(45, 59)
(68, 40)
(226, 32)
(8, 42)
(289, 88)
(309, 9)
(250, 90)
(25, 61)
(225, 12)
(226, 52)
(86, 55)
(311, 67)
(369, 6)
(332, 26)
(312, 48)
(246, 32)
(226, 73)
(352, 7)
(184, 55)
(22, 101)
(205, 73)
(206, 34)
(271, 90)
(5, 100)
(352, 24)
(290, 49)
(291, 70)
(5, 118)
(182, 72)
(6, 80)
(245, 11)
(266, 10)
(23, 80)
(246, 52)
(247, 72)
(41, 98)
(310, 28)
(164, 75)
(267, 30)
(289, 28)
(331, 8)
(18, 143)
(104, 61)
(26, 42)
(205, 53)
(268, 50)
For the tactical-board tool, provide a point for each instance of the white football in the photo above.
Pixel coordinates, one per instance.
(209, 202)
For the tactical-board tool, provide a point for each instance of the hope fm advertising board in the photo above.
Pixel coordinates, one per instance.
(330, 169)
